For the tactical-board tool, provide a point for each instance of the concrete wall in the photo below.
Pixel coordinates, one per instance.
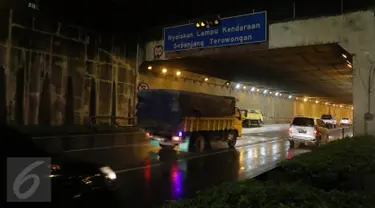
(275, 109)
(355, 32)
(38, 55)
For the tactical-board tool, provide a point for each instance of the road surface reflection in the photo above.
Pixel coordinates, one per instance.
(173, 178)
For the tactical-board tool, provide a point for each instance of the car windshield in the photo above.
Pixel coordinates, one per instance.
(303, 122)
(326, 117)
(253, 111)
(345, 118)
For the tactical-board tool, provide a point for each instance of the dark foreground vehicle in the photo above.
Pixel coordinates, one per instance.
(72, 182)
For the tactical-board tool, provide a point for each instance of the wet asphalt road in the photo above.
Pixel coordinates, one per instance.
(174, 179)
(148, 176)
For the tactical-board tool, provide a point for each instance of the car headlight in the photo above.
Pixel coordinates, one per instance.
(108, 173)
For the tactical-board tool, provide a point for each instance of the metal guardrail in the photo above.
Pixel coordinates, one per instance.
(59, 144)
(341, 132)
(63, 143)
(112, 120)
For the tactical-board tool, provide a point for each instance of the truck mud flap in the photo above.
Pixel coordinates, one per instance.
(184, 147)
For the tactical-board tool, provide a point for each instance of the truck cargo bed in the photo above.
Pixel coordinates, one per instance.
(167, 109)
(192, 124)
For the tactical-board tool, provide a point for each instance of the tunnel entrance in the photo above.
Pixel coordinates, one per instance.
(280, 79)
(319, 72)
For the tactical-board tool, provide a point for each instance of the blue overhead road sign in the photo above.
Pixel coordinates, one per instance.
(243, 29)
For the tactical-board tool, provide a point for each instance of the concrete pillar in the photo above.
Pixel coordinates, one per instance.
(363, 92)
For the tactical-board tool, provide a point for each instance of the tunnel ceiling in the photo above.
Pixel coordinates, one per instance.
(319, 71)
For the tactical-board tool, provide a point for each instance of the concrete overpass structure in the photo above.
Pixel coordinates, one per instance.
(325, 60)
(302, 58)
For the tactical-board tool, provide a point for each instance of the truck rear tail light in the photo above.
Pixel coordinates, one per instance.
(176, 138)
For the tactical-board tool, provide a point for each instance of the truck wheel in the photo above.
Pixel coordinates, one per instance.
(232, 139)
(258, 123)
(199, 144)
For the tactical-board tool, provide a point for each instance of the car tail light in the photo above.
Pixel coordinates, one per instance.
(148, 135)
(176, 138)
(316, 131)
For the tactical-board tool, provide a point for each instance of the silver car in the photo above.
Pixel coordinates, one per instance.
(308, 130)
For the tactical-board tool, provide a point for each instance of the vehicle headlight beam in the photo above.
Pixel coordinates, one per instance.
(108, 173)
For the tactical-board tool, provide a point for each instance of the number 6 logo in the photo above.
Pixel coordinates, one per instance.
(23, 177)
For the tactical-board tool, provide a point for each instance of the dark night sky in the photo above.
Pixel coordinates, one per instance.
(124, 15)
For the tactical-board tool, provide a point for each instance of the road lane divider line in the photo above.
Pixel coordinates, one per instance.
(193, 157)
(262, 142)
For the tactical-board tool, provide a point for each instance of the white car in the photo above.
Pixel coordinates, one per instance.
(345, 122)
(308, 130)
(329, 120)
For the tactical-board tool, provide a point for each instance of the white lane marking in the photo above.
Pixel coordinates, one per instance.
(192, 157)
(261, 142)
(266, 128)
